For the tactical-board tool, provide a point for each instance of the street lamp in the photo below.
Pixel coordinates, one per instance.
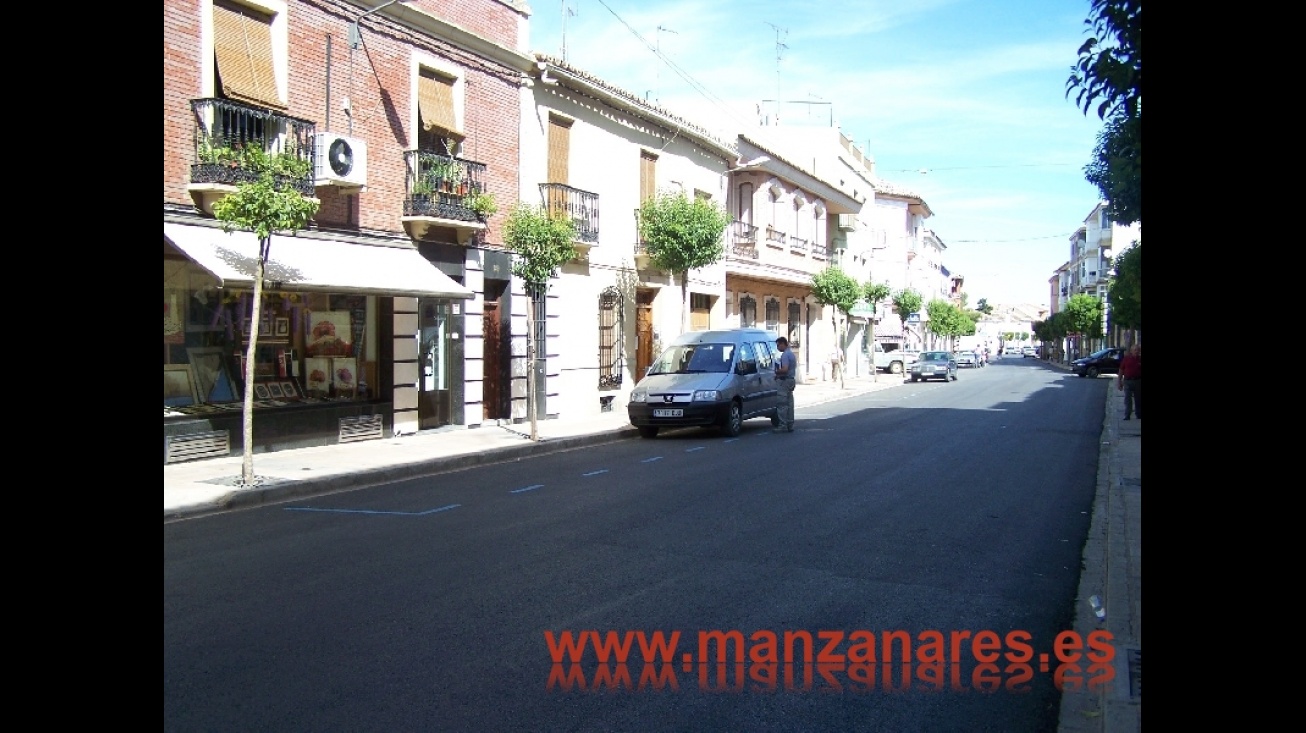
(356, 33)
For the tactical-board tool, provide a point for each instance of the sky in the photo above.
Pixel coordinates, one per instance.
(961, 101)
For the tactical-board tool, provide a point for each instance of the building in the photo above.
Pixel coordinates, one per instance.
(359, 103)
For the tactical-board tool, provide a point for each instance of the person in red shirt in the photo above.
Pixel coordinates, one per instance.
(1131, 381)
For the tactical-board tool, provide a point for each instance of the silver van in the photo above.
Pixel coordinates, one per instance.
(708, 378)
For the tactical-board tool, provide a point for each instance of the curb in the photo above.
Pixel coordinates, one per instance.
(283, 489)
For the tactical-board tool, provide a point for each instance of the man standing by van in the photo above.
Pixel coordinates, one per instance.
(786, 368)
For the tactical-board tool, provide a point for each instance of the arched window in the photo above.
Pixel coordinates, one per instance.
(747, 311)
(773, 314)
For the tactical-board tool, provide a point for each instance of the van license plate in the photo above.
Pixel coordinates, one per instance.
(669, 413)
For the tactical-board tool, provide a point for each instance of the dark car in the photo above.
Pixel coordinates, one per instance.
(934, 365)
(1106, 361)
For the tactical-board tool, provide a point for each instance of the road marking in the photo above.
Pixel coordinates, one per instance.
(371, 511)
(730, 440)
(528, 488)
(691, 450)
(650, 460)
(595, 473)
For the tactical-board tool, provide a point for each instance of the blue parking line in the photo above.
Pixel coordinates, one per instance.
(371, 511)
(528, 488)
(595, 473)
(650, 460)
(691, 450)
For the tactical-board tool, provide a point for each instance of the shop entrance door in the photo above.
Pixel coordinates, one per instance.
(644, 355)
(434, 398)
(492, 387)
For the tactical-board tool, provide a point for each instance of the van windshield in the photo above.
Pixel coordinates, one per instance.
(695, 359)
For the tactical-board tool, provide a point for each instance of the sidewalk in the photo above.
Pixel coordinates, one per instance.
(207, 486)
(1113, 571)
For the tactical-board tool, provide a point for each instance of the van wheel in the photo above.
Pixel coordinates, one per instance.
(895, 368)
(1092, 372)
(775, 421)
(648, 432)
(734, 424)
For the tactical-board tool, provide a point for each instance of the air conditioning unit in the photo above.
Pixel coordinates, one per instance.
(847, 222)
(340, 161)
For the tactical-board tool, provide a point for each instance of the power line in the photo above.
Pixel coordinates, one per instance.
(923, 171)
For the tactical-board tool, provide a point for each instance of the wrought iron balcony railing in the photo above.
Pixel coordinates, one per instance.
(582, 207)
(438, 185)
(235, 142)
(798, 245)
(776, 238)
(743, 240)
(820, 251)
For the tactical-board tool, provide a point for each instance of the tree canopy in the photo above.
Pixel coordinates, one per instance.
(1126, 293)
(1084, 315)
(680, 234)
(1109, 74)
(543, 242)
(832, 286)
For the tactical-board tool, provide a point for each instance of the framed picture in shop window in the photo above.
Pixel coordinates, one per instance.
(281, 328)
(179, 387)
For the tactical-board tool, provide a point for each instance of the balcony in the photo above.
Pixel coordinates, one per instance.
(437, 189)
(776, 238)
(743, 240)
(798, 245)
(582, 207)
(235, 142)
(820, 252)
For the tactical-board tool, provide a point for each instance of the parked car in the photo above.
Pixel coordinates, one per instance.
(708, 378)
(1029, 351)
(1106, 361)
(966, 359)
(934, 365)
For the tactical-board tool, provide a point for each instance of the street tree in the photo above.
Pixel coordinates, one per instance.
(983, 307)
(1126, 293)
(1084, 315)
(907, 301)
(265, 205)
(1109, 74)
(874, 293)
(947, 320)
(832, 286)
(680, 234)
(543, 243)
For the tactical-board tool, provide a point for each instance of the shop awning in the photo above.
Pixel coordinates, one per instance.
(311, 264)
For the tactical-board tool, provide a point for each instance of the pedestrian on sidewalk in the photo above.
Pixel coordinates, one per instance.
(1130, 380)
(786, 368)
(836, 366)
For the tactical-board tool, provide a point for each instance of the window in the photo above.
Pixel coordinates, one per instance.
(747, 359)
(745, 203)
(747, 311)
(609, 335)
(763, 350)
(437, 117)
(700, 309)
(242, 55)
(772, 313)
(559, 149)
(648, 179)
(795, 324)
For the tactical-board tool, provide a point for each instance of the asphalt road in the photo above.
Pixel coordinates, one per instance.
(423, 605)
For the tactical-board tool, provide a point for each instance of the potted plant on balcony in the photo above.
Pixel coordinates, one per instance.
(481, 203)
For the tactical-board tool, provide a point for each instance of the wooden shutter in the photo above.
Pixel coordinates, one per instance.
(435, 105)
(647, 175)
(559, 149)
(242, 51)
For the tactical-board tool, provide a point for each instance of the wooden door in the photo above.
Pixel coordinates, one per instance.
(492, 386)
(644, 355)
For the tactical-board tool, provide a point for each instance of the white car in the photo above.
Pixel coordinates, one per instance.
(1028, 351)
(965, 359)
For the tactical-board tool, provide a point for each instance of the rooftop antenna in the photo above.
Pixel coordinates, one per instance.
(779, 48)
(657, 83)
(566, 11)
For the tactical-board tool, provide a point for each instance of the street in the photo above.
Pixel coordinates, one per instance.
(424, 605)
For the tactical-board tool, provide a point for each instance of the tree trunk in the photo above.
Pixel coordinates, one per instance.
(247, 411)
(684, 302)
